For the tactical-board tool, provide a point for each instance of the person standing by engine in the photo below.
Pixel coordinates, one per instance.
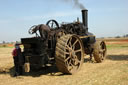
(17, 57)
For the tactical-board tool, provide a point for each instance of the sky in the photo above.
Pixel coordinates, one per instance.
(106, 18)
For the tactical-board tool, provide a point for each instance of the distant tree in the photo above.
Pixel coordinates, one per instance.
(126, 35)
(102, 37)
(4, 44)
(117, 37)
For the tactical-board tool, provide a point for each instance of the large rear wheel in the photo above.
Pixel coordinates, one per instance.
(69, 54)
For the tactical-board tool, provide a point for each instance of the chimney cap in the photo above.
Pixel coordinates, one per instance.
(84, 10)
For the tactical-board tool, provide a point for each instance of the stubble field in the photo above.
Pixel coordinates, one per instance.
(113, 71)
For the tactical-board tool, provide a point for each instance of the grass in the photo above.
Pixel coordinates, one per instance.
(113, 71)
(116, 46)
(7, 46)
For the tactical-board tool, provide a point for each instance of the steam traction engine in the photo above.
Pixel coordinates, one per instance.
(64, 46)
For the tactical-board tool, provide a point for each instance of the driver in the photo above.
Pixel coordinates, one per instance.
(43, 30)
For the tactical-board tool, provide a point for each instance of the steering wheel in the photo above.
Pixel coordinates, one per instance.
(30, 31)
(53, 24)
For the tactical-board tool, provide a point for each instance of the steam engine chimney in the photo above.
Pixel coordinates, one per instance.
(85, 17)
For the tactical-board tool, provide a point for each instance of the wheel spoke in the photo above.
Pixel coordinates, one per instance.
(67, 58)
(79, 50)
(52, 25)
(104, 50)
(69, 48)
(74, 44)
(70, 65)
(101, 55)
(101, 44)
(69, 68)
(69, 43)
(67, 53)
(77, 60)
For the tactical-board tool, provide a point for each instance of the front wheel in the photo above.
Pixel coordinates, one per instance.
(99, 51)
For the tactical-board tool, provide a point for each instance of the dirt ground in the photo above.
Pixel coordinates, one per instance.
(113, 71)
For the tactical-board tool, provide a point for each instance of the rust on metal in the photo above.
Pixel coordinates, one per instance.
(62, 45)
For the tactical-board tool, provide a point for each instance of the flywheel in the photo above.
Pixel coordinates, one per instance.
(69, 54)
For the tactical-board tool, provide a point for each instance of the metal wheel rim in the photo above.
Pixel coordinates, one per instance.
(74, 54)
(102, 51)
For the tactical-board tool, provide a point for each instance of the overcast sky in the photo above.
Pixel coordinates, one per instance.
(106, 18)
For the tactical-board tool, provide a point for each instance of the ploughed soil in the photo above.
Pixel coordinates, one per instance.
(113, 71)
